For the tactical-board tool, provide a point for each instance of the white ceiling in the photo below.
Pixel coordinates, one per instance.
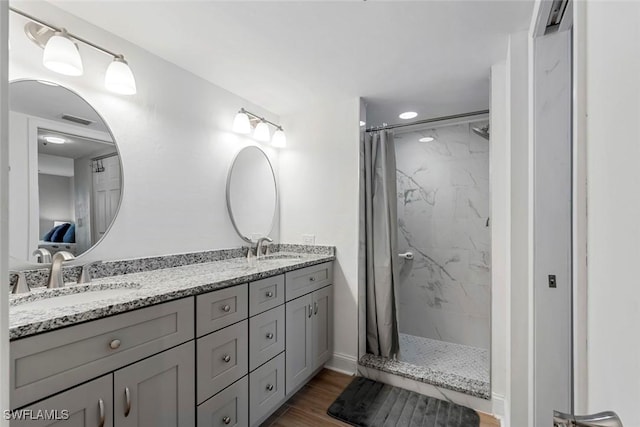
(433, 57)
(39, 99)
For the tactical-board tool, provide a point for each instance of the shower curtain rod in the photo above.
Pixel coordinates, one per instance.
(425, 121)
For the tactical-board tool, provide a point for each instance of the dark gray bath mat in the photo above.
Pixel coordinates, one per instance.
(368, 403)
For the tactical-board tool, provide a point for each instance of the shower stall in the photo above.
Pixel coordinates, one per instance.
(443, 291)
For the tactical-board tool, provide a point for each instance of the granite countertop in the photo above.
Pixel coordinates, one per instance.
(131, 291)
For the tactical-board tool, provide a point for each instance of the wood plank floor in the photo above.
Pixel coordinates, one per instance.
(308, 407)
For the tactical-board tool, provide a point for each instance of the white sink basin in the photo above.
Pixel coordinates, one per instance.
(72, 295)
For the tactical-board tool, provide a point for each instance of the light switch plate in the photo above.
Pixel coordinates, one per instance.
(308, 239)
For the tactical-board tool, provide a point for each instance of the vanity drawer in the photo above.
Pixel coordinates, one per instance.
(218, 309)
(266, 389)
(266, 336)
(230, 407)
(308, 279)
(266, 294)
(222, 359)
(44, 364)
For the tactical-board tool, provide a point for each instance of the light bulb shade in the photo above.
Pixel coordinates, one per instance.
(61, 55)
(119, 78)
(262, 133)
(241, 123)
(279, 139)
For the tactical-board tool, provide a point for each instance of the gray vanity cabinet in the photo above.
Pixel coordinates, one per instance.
(158, 391)
(309, 331)
(87, 405)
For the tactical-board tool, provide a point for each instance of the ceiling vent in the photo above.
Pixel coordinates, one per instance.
(78, 120)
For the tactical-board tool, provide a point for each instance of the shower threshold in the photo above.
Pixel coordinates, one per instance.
(452, 366)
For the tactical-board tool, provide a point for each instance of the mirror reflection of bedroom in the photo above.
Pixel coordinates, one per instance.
(65, 149)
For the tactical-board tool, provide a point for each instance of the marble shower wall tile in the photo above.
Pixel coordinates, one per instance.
(443, 218)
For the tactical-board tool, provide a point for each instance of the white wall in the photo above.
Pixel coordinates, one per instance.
(4, 210)
(319, 188)
(500, 169)
(613, 152)
(56, 200)
(55, 165)
(519, 305)
(174, 137)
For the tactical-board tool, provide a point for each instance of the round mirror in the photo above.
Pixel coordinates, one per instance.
(65, 173)
(251, 194)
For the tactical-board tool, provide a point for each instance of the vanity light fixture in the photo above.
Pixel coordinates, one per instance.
(119, 78)
(241, 123)
(261, 132)
(426, 139)
(245, 120)
(408, 115)
(279, 139)
(61, 54)
(55, 139)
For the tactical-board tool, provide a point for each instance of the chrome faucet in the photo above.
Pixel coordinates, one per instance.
(259, 245)
(43, 256)
(21, 285)
(85, 275)
(55, 274)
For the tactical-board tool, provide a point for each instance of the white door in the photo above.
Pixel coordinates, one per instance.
(106, 196)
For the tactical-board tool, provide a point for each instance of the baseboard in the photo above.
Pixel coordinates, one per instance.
(343, 363)
(499, 407)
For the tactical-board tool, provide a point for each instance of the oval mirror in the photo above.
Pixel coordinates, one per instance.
(251, 194)
(65, 173)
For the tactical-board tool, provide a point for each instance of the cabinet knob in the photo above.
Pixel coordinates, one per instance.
(226, 420)
(226, 308)
(270, 387)
(269, 294)
(114, 344)
(270, 335)
(226, 358)
(312, 279)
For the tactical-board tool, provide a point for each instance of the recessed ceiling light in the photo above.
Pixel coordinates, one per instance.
(408, 115)
(426, 139)
(362, 123)
(54, 139)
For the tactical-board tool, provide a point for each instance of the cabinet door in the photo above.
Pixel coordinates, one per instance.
(298, 342)
(88, 405)
(158, 391)
(322, 326)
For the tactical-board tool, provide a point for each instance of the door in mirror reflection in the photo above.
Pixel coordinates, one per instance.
(65, 176)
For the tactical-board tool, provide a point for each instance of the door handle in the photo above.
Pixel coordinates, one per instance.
(127, 399)
(101, 411)
(310, 311)
(315, 308)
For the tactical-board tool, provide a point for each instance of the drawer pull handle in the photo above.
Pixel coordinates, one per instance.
(226, 420)
(101, 410)
(315, 308)
(270, 387)
(270, 336)
(226, 358)
(310, 311)
(269, 294)
(127, 399)
(312, 279)
(226, 308)
(114, 345)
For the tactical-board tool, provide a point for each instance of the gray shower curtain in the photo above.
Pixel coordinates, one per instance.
(378, 241)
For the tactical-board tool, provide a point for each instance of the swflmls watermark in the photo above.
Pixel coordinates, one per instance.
(36, 414)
